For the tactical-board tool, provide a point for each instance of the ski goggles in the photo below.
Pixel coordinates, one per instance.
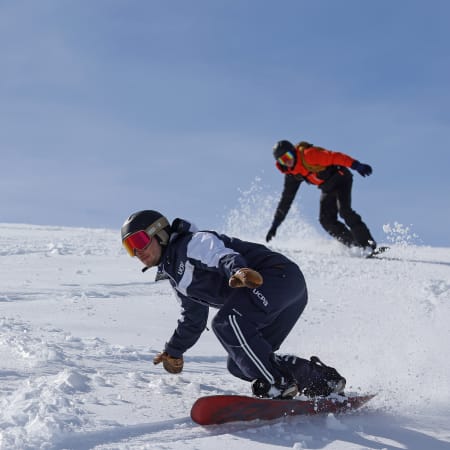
(136, 241)
(286, 159)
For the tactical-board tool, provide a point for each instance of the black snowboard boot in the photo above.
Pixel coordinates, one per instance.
(324, 380)
(281, 389)
(313, 377)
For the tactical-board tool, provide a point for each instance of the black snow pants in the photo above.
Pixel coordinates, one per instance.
(336, 198)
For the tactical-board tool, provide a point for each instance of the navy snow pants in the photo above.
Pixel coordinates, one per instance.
(253, 323)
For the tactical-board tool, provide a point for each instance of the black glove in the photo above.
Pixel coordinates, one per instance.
(272, 232)
(363, 169)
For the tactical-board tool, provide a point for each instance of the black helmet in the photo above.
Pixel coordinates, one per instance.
(152, 222)
(281, 147)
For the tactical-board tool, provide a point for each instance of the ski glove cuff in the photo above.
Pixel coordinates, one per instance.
(171, 364)
(363, 169)
(246, 278)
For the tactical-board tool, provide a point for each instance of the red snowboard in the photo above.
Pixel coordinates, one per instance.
(216, 409)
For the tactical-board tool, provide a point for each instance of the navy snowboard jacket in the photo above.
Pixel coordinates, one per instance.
(199, 265)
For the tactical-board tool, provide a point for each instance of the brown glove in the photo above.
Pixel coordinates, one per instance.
(246, 278)
(171, 364)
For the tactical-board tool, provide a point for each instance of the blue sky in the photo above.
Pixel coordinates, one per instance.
(108, 107)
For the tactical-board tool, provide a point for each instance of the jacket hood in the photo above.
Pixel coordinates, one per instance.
(182, 226)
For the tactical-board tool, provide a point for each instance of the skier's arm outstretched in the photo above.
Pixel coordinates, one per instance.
(291, 185)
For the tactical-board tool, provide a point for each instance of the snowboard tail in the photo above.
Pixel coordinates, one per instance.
(217, 409)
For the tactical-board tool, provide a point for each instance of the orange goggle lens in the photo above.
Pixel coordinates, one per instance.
(136, 241)
(286, 158)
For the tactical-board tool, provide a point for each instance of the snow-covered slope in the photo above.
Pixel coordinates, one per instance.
(80, 324)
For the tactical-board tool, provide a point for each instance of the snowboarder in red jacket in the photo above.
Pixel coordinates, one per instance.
(329, 172)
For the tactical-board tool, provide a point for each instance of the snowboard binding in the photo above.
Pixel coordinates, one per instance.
(325, 380)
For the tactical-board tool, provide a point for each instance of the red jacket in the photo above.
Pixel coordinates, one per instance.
(310, 161)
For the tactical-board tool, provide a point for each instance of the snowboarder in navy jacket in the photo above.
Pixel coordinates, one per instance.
(259, 294)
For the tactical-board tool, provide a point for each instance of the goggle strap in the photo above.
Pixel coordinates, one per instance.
(157, 226)
(163, 237)
(157, 229)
